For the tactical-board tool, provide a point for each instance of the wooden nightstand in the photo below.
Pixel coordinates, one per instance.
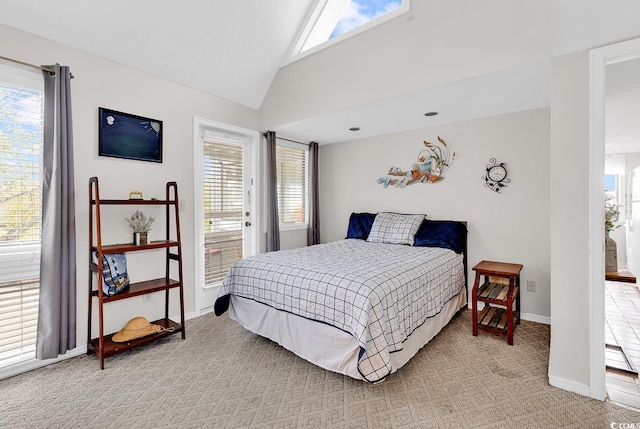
(499, 291)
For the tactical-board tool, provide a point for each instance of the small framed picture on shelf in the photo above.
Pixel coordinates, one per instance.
(135, 195)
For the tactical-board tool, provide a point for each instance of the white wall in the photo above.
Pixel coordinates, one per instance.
(626, 235)
(293, 238)
(101, 83)
(437, 42)
(569, 354)
(512, 226)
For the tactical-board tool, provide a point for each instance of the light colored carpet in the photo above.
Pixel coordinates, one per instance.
(222, 376)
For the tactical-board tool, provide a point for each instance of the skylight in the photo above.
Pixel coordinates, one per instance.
(333, 18)
(359, 12)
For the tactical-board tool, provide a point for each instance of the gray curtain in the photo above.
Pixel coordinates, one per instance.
(313, 230)
(57, 308)
(273, 221)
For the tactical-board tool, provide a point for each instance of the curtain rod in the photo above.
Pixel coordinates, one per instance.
(47, 69)
(289, 140)
(293, 141)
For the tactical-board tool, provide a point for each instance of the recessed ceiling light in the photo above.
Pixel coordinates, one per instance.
(431, 114)
(354, 129)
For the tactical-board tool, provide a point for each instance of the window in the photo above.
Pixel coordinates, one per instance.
(223, 208)
(21, 127)
(333, 18)
(292, 183)
(614, 183)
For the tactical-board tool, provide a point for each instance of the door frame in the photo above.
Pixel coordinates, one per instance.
(599, 59)
(252, 167)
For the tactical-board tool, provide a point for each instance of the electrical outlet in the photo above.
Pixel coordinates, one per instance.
(146, 297)
(181, 205)
(531, 286)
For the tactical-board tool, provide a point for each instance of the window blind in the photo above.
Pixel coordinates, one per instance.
(223, 204)
(21, 127)
(292, 184)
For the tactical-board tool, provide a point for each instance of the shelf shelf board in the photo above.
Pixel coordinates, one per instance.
(141, 288)
(496, 293)
(112, 348)
(134, 202)
(498, 269)
(130, 247)
(495, 319)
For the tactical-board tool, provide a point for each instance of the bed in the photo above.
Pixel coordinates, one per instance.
(362, 306)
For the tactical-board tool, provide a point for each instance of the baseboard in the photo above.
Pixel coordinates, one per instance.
(206, 310)
(187, 316)
(536, 318)
(571, 386)
(31, 364)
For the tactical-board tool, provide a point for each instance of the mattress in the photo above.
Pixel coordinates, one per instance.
(324, 345)
(378, 294)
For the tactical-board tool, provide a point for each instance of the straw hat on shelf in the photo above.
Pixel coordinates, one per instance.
(137, 327)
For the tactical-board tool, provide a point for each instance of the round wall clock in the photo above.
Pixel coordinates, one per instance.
(495, 177)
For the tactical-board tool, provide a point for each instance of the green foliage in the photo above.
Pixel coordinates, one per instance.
(611, 216)
(20, 142)
(139, 222)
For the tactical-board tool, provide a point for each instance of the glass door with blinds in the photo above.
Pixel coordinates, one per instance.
(21, 127)
(226, 200)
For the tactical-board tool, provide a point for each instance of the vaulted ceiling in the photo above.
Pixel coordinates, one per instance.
(231, 49)
(234, 49)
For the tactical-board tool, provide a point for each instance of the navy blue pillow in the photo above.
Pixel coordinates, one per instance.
(360, 225)
(442, 233)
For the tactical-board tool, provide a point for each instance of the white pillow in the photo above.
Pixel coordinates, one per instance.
(394, 228)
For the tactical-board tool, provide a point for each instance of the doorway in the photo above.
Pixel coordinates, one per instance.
(601, 126)
(226, 204)
(622, 226)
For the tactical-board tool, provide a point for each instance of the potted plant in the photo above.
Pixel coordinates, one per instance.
(611, 216)
(140, 224)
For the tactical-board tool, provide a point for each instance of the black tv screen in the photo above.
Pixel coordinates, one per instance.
(123, 135)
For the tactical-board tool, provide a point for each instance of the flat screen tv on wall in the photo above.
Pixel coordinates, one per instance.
(123, 135)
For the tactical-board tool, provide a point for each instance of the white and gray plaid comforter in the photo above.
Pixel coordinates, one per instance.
(379, 293)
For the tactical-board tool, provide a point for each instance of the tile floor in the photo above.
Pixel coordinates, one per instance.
(622, 330)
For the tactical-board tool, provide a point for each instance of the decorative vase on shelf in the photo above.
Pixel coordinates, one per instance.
(611, 254)
(140, 224)
(139, 238)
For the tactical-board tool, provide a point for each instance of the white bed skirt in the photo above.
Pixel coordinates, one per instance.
(324, 345)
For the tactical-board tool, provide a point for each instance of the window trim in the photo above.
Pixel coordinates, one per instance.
(295, 53)
(294, 226)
